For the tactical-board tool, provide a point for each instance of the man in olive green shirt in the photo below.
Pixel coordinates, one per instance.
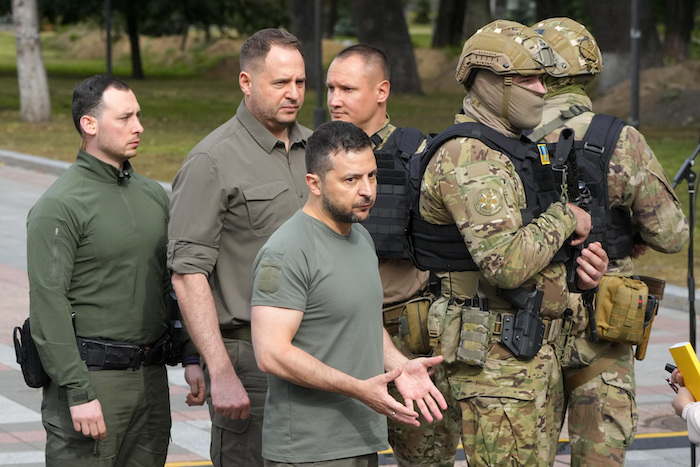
(96, 263)
(317, 325)
(234, 189)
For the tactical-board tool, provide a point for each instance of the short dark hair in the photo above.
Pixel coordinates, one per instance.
(87, 96)
(370, 55)
(329, 139)
(257, 46)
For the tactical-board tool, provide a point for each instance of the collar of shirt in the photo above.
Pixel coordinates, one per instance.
(379, 138)
(262, 135)
(102, 170)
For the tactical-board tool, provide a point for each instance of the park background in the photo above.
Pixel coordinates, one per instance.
(181, 59)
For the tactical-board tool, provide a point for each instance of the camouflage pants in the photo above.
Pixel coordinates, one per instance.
(512, 411)
(603, 416)
(432, 444)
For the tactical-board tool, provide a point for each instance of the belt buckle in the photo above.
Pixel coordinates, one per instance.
(138, 358)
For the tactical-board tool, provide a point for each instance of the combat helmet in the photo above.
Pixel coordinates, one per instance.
(505, 48)
(575, 48)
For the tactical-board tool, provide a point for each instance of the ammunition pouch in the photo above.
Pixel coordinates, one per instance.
(409, 320)
(444, 319)
(106, 354)
(625, 309)
(475, 334)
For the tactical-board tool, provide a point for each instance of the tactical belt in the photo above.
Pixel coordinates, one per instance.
(113, 355)
(552, 328)
(242, 333)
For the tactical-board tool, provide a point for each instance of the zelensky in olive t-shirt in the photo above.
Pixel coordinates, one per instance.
(333, 279)
(316, 319)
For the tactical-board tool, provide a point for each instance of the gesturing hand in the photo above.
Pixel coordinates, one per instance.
(414, 384)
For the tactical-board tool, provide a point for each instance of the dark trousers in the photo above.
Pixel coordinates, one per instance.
(136, 409)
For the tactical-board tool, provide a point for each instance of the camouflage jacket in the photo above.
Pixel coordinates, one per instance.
(635, 180)
(478, 189)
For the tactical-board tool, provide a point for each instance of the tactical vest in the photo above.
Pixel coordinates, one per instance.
(389, 216)
(442, 247)
(611, 227)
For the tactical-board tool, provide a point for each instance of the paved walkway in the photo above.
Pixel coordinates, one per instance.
(661, 440)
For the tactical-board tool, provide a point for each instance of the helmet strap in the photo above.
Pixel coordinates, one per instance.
(507, 86)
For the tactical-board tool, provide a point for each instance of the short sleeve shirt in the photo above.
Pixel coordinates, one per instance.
(333, 280)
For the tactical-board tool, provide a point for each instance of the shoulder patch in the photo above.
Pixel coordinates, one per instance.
(269, 276)
(488, 202)
(544, 154)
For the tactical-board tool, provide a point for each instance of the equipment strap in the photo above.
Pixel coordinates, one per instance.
(565, 115)
(594, 369)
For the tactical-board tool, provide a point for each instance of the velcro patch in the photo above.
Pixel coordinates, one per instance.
(269, 276)
(488, 201)
(544, 154)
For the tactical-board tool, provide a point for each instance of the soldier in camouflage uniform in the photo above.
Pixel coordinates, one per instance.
(511, 408)
(358, 89)
(602, 411)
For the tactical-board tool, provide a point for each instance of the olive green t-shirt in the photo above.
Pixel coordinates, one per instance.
(333, 280)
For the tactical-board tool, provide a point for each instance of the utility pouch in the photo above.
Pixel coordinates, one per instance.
(475, 333)
(564, 342)
(621, 309)
(176, 331)
(28, 357)
(413, 325)
(444, 327)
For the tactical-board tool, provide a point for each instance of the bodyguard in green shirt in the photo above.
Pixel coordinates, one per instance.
(96, 244)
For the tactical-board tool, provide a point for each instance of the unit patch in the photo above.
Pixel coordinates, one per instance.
(488, 202)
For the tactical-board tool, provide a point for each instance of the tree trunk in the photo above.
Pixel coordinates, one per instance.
(330, 12)
(611, 28)
(478, 14)
(301, 16)
(679, 25)
(449, 23)
(381, 23)
(132, 27)
(35, 104)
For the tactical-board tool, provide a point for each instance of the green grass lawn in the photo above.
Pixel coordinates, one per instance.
(180, 108)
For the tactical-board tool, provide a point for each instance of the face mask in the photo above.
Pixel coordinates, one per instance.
(525, 107)
(507, 108)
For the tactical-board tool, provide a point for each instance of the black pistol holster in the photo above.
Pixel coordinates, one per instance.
(523, 332)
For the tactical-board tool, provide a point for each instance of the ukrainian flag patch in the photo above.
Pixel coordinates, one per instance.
(544, 154)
